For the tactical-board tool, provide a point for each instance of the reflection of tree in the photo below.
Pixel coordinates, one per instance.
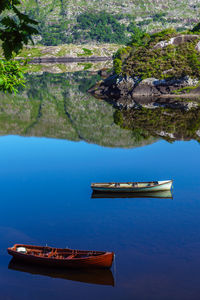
(170, 124)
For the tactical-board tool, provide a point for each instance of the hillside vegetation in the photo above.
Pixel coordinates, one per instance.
(163, 63)
(162, 55)
(69, 21)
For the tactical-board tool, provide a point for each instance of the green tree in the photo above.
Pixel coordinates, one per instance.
(16, 29)
(101, 26)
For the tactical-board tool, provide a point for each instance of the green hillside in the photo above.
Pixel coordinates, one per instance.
(69, 21)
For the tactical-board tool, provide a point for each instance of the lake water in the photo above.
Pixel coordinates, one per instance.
(48, 160)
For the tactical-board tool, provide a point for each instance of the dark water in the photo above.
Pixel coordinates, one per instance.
(46, 199)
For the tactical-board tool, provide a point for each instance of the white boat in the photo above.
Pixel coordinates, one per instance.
(150, 186)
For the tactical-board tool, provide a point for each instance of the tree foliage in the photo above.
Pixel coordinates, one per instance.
(90, 26)
(11, 76)
(102, 27)
(16, 29)
(196, 28)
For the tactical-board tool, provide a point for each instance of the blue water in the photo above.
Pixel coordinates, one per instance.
(46, 199)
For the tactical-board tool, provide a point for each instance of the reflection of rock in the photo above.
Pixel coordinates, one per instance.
(56, 106)
(166, 134)
(128, 92)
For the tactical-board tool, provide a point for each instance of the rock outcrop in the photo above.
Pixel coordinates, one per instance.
(165, 63)
(128, 92)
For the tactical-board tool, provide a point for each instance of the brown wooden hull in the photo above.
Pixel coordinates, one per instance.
(81, 259)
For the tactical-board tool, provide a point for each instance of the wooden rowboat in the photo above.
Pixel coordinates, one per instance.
(133, 187)
(91, 276)
(64, 258)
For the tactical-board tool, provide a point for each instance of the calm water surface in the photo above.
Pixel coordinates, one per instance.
(46, 199)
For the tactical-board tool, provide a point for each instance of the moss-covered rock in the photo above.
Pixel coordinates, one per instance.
(160, 64)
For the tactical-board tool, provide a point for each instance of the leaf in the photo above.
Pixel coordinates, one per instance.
(1, 81)
(24, 17)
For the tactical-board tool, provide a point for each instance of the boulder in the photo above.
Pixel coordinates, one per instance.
(178, 40)
(155, 87)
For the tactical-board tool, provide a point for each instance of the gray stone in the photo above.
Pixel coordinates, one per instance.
(198, 47)
(178, 40)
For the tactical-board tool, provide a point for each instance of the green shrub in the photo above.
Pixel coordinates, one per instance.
(117, 63)
(11, 76)
(86, 52)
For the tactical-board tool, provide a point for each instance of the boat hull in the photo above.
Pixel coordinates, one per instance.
(165, 186)
(103, 260)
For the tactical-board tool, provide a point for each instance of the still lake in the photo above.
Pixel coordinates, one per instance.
(56, 140)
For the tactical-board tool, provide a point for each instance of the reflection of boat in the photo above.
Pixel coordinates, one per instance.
(151, 186)
(93, 276)
(161, 195)
(65, 258)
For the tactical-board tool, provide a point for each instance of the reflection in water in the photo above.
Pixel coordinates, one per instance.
(170, 124)
(68, 67)
(58, 106)
(98, 276)
(161, 195)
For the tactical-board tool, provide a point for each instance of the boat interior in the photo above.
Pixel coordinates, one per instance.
(125, 184)
(57, 253)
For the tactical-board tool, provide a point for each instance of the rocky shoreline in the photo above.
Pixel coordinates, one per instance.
(165, 67)
(128, 92)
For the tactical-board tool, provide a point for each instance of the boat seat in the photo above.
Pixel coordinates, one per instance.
(52, 253)
(71, 256)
